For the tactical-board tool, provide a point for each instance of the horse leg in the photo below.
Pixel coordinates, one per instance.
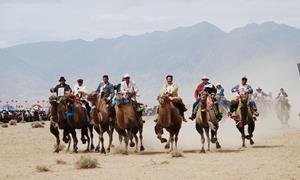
(55, 132)
(199, 128)
(242, 131)
(171, 141)
(101, 139)
(75, 141)
(110, 134)
(85, 133)
(159, 131)
(92, 136)
(251, 128)
(127, 137)
(218, 146)
(69, 142)
(136, 142)
(208, 139)
(141, 138)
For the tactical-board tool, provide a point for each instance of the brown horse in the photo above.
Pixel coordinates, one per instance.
(169, 118)
(77, 118)
(102, 119)
(128, 124)
(205, 120)
(58, 121)
(245, 117)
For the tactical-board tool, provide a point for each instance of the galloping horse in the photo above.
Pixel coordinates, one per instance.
(58, 121)
(77, 118)
(102, 120)
(128, 124)
(282, 110)
(169, 118)
(245, 117)
(205, 120)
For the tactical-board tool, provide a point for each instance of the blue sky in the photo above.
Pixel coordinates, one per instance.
(23, 21)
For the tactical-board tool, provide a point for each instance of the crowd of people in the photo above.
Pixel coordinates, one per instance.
(23, 115)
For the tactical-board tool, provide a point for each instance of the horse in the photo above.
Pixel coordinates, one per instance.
(77, 118)
(127, 123)
(245, 117)
(102, 119)
(58, 121)
(205, 120)
(169, 118)
(282, 110)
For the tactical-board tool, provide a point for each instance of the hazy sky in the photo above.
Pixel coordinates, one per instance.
(23, 21)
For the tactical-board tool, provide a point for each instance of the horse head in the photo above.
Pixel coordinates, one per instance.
(244, 97)
(164, 99)
(93, 98)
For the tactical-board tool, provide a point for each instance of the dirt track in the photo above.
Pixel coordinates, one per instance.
(273, 157)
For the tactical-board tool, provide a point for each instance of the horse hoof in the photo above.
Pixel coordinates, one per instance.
(103, 151)
(251, 142)
(218, 146)
(202, 151)
(213, 140)
(97, 149)
(86, 151)
(83, 140)
(167, 146)
(142, 148)
(163, 140)
(132, 144)
(92, 147)
(108, 150)
(125, 153)
(56, 151)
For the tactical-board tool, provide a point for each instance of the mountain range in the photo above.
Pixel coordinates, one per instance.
(267, 53)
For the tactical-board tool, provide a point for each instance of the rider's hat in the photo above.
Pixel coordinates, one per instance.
(126, 76)
(244, 78)
(204, 78)
(218, 84)
(259, 89)
(62, 79)
(80, 80)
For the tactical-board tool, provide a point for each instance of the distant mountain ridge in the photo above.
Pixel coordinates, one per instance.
(29, 70)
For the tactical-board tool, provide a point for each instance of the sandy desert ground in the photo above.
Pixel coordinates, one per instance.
(276, 155)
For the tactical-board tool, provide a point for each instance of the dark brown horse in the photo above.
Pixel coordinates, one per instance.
(102, 119)
(58, 121)
(127, 123)
(245, 117)
(169, 118)
(77, 118)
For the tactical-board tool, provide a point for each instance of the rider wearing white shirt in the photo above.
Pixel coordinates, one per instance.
(129, 88)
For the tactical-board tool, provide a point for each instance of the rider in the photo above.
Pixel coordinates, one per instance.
(260, 93)
(199, 89)
(211, 90)
(106, 89)
(220, 93)
(282, 93)
(62, 88)
(129, 90)
(243, 87)
(171, 89)
(80, 91)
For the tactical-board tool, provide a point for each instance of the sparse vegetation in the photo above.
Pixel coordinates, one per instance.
(42, 168)
(4, 126)
(36, 125)
(176, 154)
(59, 161)
(86, 162)
(12, 122)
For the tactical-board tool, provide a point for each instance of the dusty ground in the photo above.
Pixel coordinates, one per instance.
(275, 156)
